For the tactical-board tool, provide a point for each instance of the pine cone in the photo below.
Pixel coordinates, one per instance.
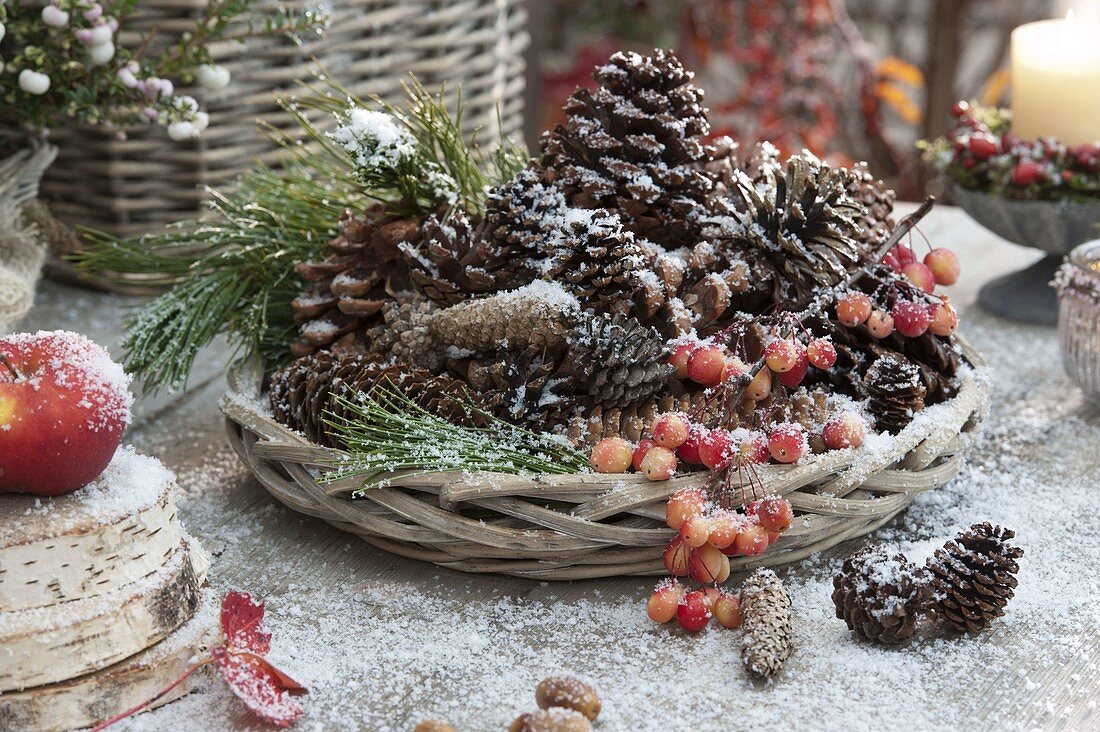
(766, 620)
(516, 386)
(365, 271)
(631, 422)
(458, 260)
(406, 336)
(895, 392)
(881, 598)
(974, 576)
(539, 315)
(634, 145)
(613, 361)
(797, 235)
(877, 201)
(303, 394)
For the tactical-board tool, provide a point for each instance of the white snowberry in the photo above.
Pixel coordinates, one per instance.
(34, 82)
(54, 16)
(3, 31)
(179, 131)
(101, 53)
(212, 77)
(98, 36)
(126, 77)
(201, 120)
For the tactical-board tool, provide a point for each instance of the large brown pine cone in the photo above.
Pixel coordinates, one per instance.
(895, 392)
(876, 224)
(348, 290)
(405, 335)
(974, 576)
(304, 394)
(881, 598)
(635, 146)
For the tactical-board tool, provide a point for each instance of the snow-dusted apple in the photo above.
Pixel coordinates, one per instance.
(64, 405)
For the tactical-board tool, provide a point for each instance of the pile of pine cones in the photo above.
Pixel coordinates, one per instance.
(555, 306)
(965, 585)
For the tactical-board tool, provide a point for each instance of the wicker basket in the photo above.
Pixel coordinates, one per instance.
(21, 172)
(565, 527)
(137, 185)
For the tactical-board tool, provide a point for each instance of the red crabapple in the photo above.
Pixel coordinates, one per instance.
(693, 612)
(982, 146)
(682, 504)
(880, 324)
(853, 309)
(1027, 172)
(681, 354)
(695, 530)
(787, 442)
(689, 451)
(612, 455)
(751, 540)
(911, 319)
(676, 557)
(670, 430)
(706, 365)
(723, 529)
(734, 367)
(944, 320)
(898, 257)
(846, 429)
(760, 386)
(659, 463)
(920, 275)
(781, 355)
(662, 604)
(776, 514)
(707, 565)
(715, 448)
(639, 453)
(794, 377)
(753, 448)
(727, 610)
(944, 264)
(821, 353)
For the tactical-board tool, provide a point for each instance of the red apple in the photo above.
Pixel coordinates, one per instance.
(63, 407)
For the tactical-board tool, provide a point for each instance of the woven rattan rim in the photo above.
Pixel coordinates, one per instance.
(565, 527)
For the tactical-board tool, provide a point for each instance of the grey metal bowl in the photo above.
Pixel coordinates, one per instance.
(1055, 227)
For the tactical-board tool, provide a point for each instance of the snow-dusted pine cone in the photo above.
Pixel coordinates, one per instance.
(405, 336)
(766, 620)
(635, 146)
(895, 392)
(877, 200)
(350, 288)
(974, 576)
(304, 394)
(882, 598)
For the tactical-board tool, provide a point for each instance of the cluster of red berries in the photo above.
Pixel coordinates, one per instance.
(707, 536)
(914, 316)
(788, 361)
(675, 439)
(982, 152)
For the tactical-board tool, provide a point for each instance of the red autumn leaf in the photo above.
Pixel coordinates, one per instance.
(262, 687)
(243, 624)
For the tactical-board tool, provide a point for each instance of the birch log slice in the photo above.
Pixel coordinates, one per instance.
(44, 645)
(85, 700)
(113, 532)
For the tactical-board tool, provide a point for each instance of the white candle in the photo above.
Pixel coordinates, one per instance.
(1056, 80)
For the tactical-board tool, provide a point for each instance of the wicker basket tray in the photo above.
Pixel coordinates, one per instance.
(137, 185)
(565, 527)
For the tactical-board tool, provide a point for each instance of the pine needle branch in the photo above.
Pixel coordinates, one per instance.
(389, 432)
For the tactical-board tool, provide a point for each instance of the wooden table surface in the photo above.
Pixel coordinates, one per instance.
(350, 618)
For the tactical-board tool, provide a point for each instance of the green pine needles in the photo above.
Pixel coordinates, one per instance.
(233, 274)
(388, 433)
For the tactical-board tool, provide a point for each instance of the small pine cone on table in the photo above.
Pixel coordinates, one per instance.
(304, 394)
(880, 597)
(348, 290)
(766, 618)
(974, 576)
(895, 391)
(635, 146)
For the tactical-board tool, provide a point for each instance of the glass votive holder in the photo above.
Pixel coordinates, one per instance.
(1078, 286)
